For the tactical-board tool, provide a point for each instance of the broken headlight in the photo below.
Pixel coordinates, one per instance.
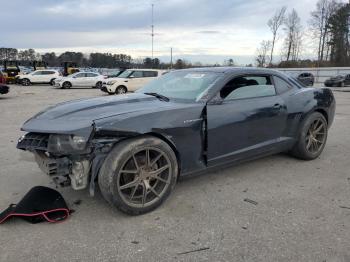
(66, 143)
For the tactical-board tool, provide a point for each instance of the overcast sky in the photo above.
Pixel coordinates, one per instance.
(205, 30)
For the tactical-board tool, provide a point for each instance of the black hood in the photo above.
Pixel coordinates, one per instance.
(78, 116)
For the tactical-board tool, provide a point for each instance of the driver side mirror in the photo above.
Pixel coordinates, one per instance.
(131, 76)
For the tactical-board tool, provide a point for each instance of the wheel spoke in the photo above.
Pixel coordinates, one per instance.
(161, 179)
(317, 130)
(158, 171)
(318, 141)
(155, 192)
(135, 162)
(144, 193)
(134, 191)
(155, 160)
(131, 184)
(308, 140)
(148, 160)
(129, 171)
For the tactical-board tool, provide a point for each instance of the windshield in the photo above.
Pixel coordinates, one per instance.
(125, 74)
(185, 85)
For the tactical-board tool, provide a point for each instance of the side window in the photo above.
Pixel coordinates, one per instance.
(248, 87)
(281, 85)
(150, 74)
(91, 75)
(47, 72)
(38, 73)
(136, 74)
(80, 75)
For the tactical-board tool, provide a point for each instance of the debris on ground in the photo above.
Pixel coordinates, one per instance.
(135, 242)
(250, 201)
(344, 207)
(77, 202)
(195, 250)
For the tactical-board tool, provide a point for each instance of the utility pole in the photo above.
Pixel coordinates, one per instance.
(152, 34)
(171, 58)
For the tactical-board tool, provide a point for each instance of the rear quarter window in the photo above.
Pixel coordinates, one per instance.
(281, 85)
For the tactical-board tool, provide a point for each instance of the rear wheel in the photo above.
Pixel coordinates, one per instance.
(66, 85)
(98, 85)
(312, 138)
(120, 90)
(26, 82)
(138, 175)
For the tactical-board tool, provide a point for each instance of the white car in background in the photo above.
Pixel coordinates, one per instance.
(130, 80)
(45, 76)
(80, 79)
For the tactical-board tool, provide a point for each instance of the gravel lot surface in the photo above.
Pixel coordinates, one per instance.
(302, 211)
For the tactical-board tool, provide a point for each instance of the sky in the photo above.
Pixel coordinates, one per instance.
(208, 31)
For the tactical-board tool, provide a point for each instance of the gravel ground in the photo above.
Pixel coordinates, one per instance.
(300, 213)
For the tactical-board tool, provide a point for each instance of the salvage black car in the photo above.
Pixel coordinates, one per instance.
(135, 146)
(307, 79)
(339, 81)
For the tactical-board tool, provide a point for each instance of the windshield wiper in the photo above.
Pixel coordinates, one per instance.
(159, 96)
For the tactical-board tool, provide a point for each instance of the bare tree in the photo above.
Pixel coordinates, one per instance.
(319, 24)
(262, 53)
(274, 24)
(292, 41)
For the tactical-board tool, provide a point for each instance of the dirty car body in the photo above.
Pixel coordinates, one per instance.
(72, 139)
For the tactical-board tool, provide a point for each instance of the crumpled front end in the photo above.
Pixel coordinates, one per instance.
(68, 159)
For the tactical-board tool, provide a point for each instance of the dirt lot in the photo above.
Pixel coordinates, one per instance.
(300, 215)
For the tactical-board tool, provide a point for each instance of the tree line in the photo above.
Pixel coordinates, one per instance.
(328, 27)
(96, 60)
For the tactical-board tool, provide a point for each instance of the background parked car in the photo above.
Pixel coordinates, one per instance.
(338, 80)
(4, 89)
(307, 79)
(46, 76)
(130, 80)
(80, 79)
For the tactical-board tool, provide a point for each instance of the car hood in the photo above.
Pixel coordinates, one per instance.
(78, 116)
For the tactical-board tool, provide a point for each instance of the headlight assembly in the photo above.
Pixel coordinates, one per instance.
(111, 82)
(66, 143)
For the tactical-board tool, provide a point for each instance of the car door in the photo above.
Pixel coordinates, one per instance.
(249, 119)
(91, 79)
(79, 79)
(37, 77)
(135, 80)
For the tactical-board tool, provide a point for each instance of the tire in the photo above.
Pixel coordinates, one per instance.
(52, 81)
(98, 85)
(66, 85)
(306, 147)
(341, 84)
(26, 82)
(130, 200)
(121, 90)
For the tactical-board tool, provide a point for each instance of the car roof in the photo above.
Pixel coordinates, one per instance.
(145, 69)
(244, 70)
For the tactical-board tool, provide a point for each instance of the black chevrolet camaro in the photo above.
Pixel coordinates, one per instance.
(188, 121)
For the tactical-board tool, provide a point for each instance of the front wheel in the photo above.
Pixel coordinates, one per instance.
(25, 82)
(52, 82)
(341, 84)
(66, 85)
(138, 175)
(120, 90)
(312, 138)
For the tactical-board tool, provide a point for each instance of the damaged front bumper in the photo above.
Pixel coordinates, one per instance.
(76, 169)
(65, 171)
